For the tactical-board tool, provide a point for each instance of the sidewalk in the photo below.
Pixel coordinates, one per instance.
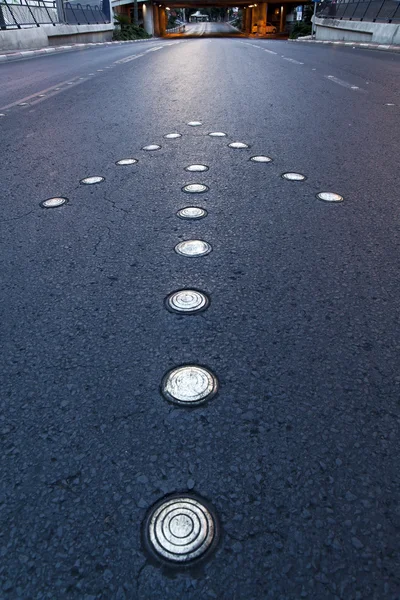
(7, 56)
(385, 47)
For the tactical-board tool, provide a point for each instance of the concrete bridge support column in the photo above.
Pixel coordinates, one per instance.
(148, 21)
(254, 19)
(262, 18)
(156, 20)
(248, 20)
(282, 25)
(163, 20)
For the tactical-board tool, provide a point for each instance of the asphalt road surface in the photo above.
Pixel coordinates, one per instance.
(209, 28)
(298, 452)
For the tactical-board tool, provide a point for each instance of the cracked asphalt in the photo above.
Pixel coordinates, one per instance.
(298, 452)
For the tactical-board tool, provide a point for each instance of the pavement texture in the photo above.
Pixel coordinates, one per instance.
(298, 452)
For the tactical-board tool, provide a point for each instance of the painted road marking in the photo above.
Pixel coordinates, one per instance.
(292, 60)
(341, 82)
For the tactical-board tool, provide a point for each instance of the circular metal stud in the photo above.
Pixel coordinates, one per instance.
(217, 134)
(261, 159)
(192, 212)
(173, 136)
(151, 147)
(196, 168)
(193, 248)
(330, 197)
(126, 161)
(294, 177)
(92, 180)
(181, 529)
(189, 385)
(195, 123)
(187, 302)
(53, 202)
(195, 188)
(238, 145)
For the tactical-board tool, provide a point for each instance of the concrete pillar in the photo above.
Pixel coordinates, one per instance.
(254, 19)
(249, 20)
(282, 24)
(163, 20)
(156, 20)
(262, 18)
(148, 22)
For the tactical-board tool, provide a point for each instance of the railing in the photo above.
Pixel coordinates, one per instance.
(76, 14)
(381, 11)
(27, 13)
(177, 29)
(33, 13)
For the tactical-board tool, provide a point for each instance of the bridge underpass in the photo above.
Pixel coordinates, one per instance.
(255, 17)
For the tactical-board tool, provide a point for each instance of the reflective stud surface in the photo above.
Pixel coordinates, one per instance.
(192, 212)
(238, 145)
(151, 147)
(330, 197)
(189, 385)
(173, 136)
(195, 188)
(196, 168)
(217, 134)
(294, 176)
(195, 123)
(193, 248)
(126, 161)
(92, 180)
(187, 302)
(54, 202)
(261, 159)
(181, 529)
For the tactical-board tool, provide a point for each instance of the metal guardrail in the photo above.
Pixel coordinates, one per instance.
(178, 29)
(381, 11)
(76, 14)
(33, 13)
(23, 14)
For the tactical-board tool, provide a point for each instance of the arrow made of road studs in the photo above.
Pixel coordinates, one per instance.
(181, 529)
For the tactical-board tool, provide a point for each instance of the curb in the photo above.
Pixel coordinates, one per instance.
(384, 47)
(4, 58)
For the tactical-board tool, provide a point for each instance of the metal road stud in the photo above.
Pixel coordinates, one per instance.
(181, 529)
(193, 248)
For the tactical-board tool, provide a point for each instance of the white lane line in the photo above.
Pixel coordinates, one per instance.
(135, 56)
(292, 60)
(270, 51)
(34, 96)
(345, 84)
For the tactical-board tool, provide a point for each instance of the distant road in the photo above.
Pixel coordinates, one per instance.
(209, 28)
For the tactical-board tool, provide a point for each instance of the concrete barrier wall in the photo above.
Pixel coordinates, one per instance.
(79, 34)
(357, 31)
(54, 35)
(23, 39)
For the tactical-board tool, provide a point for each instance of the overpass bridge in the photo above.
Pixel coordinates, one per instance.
(255, 15)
